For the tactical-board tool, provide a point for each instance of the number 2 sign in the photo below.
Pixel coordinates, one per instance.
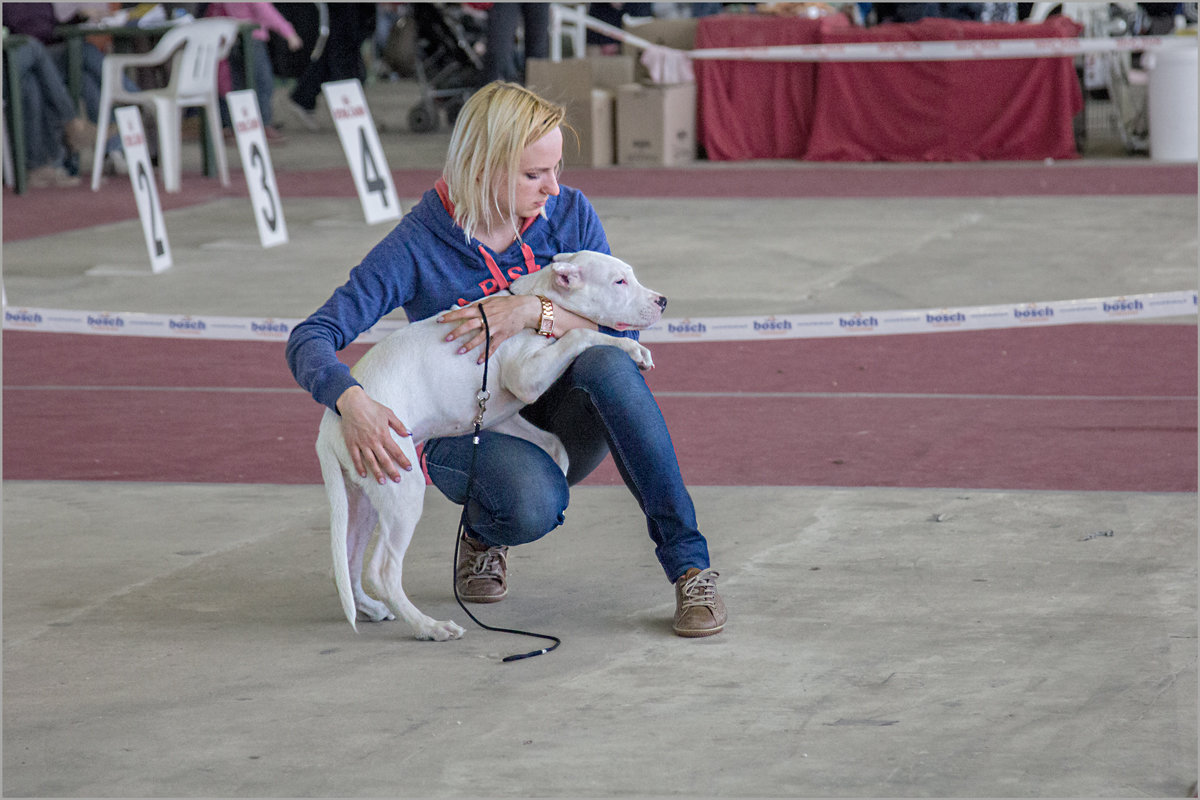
(364, 153)
(256, 163)
(141, 175)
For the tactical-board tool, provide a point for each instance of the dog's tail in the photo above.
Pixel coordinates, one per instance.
(339, 520)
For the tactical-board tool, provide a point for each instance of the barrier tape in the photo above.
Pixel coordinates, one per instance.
(694, 329)
(967, 49)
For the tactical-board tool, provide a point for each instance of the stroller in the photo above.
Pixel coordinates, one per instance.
(439, 44)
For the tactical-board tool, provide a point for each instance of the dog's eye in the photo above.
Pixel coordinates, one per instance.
(621, 282)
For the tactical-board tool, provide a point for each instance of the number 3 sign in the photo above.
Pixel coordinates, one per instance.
(364, 154)
(256, 163)
(141, 175)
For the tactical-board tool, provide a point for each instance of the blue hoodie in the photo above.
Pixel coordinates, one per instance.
(426, 265)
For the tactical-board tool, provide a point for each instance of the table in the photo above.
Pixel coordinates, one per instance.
(756, 109)
(1004, 109)
(1019, 109)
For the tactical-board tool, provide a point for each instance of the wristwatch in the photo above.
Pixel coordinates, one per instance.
(546, 326)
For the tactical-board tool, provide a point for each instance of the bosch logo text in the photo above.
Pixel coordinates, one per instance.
(1026, 314)
(1122, 307)
(946, 319)
(105, 322)
(269, 327)
(687, 328)
(22, 317)
(772, 326)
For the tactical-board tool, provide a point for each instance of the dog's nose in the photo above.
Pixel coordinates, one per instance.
(662, 302)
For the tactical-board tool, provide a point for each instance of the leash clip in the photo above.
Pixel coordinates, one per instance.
(482, 397)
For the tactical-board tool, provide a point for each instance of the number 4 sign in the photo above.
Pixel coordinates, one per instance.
(141, 175)
(360, 141)
(256, 163)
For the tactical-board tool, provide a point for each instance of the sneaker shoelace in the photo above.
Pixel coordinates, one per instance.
(489, 563)
(700, 590)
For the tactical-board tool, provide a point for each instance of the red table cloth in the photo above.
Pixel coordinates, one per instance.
(1008, 109)
(753, 109)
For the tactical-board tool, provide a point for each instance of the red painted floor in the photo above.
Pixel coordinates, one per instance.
(45, 212)
(1073, 408)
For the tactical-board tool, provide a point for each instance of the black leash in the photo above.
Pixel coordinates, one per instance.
(483, 397)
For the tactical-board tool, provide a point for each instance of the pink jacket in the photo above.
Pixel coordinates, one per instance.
(268, 19)
(265, 14)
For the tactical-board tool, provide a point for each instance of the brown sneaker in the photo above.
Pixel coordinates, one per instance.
(699, 610)
(482, 572)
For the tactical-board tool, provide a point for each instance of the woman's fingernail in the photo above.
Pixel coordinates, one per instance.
(462, 350)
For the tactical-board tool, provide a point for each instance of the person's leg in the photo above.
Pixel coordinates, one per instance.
(37, 65)
(92, 74)
(537, 29)
(502, 22)
(602, 403)
(264, 81)
(237, 82)
(308, 85)
(518, 494)
(43, 127)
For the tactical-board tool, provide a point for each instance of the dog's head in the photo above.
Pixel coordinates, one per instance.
(598, 287)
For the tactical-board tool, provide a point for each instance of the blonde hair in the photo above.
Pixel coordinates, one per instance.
(492, 131)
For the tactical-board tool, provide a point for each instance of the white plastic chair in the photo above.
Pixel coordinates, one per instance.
(194, 49)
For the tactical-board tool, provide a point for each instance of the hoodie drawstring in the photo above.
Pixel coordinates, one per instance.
(501, 281)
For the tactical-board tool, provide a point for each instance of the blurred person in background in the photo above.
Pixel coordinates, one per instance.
(233, 72)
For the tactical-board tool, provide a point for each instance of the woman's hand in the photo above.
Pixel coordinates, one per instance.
(506, 314)
(367, 427)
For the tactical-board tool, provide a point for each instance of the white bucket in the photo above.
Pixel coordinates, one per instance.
(1172, 103)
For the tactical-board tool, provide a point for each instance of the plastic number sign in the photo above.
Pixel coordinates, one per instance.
(364, 153)
(256, 164)
(141, 175)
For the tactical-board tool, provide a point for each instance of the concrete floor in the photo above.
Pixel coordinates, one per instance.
(185, 640)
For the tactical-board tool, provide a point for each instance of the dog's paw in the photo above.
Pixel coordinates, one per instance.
(371, 610)
(640, 355)
(442, 631)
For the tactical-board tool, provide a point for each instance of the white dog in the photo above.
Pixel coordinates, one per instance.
(434, 391)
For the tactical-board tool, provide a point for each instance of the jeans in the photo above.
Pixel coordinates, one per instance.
(47, 105)
(499, 62)
(264, 81)
(600, 405)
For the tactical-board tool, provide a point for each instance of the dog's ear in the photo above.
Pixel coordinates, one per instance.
(566, 275)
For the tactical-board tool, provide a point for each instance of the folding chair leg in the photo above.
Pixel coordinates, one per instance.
(105, 117)
(216, 144)
(169, 143)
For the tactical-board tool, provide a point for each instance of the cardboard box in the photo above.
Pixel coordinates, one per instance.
(594, 141)
(679, 34)
(586, 87)
(656, 125)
